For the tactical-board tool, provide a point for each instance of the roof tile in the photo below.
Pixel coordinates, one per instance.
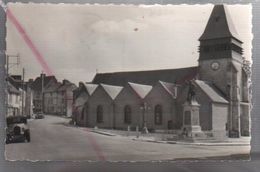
(170, 88)
(112, 90)
(210, 91)
(146, 77)
(140, 89)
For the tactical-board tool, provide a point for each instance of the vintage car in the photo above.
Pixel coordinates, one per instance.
(17, 129)
(39, 116)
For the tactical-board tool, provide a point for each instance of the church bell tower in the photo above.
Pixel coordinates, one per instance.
(221, 63)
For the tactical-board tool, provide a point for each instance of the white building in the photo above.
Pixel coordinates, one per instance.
(13, 100)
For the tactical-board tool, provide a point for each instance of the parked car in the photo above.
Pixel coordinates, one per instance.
(17, 129)
(39, 116)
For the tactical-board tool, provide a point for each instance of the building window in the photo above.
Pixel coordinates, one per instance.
(10, 98)
(158, 114)
(127, 112)
(99, 114)
(17, 99)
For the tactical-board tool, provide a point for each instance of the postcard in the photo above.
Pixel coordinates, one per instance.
(128, 82)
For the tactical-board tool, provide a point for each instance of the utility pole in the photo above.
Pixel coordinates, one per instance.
(144, 108)
(42, 91)
(23, 92)
(11, 64)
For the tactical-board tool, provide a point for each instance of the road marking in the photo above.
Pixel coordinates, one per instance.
(95, 146)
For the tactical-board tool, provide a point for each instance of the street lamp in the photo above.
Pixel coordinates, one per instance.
(144, 107)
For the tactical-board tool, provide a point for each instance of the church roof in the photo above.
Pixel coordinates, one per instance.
(169, 87)
(90, 87)
(140, 89)
(219, 25)
(112, 90)
(146, 77)
(210, 91)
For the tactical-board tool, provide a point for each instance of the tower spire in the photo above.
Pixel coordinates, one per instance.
(220, 25)
(220, 38)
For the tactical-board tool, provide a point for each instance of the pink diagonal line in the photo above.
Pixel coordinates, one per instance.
(95, 146)
(29, 42)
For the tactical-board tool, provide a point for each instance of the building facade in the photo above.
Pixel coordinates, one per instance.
(80, 97)
(28, 98)
(130, 107)
(161, 102)
(50, 97)
(13, 100)
(16, 97)
(58, 98)
(64, 94)
(37, 87)
(212, 98)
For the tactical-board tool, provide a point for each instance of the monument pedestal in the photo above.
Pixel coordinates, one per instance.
(191, 121)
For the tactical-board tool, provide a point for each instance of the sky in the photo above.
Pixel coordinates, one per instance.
(78, 41)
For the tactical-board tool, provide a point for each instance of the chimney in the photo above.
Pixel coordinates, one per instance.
(65, 82)
(43, 75)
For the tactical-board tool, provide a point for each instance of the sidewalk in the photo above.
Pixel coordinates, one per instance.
(161, 138)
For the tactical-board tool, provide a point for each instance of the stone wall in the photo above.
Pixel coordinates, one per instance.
(159, 96)
(219, 120)
(219, 77)
(100, 97)
(128, 97)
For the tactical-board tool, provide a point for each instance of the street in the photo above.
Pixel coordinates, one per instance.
(53, 139)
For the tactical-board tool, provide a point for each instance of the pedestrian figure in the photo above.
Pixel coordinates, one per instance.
(185, 132)
(145, 130)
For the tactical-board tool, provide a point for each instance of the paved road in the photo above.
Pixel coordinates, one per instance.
(52, 140)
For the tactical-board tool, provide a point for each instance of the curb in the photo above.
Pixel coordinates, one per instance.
(195, 144)
(176, 142)
(103, 133)
(214, 144)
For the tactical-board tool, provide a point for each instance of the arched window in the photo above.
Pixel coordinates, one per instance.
(99, 114)
(158, 115)
(127, 112)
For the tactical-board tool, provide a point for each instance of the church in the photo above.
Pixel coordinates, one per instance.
(210, 99)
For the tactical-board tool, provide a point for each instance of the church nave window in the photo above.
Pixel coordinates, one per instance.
(158, 115)
(127, 114)
(99, 114)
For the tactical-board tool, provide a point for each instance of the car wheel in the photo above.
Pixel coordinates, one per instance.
(7, 139)
(27, 136)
